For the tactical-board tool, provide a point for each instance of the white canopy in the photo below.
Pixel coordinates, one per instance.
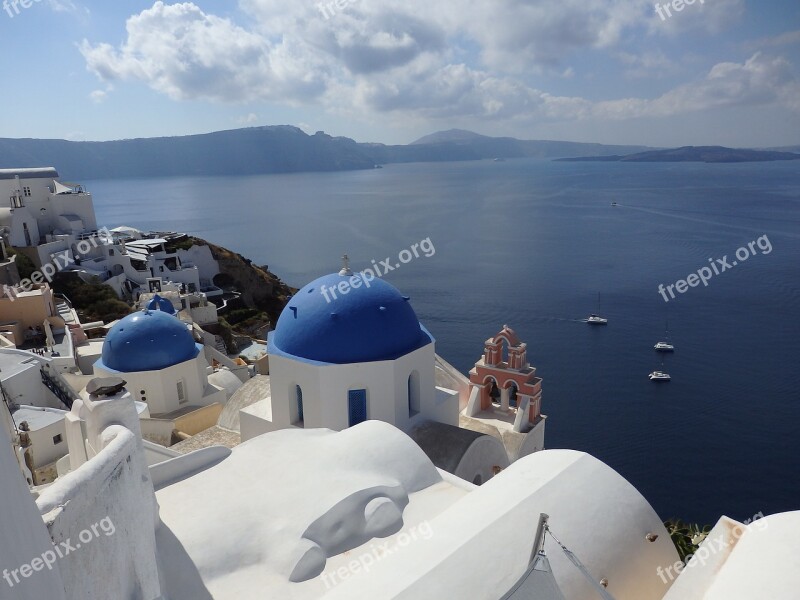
(62, 189)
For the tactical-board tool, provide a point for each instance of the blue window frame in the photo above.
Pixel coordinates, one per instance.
(357, 406)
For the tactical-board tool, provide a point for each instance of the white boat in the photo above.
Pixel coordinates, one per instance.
(594, 319)
(659, 376)
(665, 346)
(613, 204)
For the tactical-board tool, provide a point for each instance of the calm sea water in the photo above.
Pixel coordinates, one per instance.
(531, 243)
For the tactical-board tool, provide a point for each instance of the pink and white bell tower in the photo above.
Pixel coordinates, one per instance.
(506, 393)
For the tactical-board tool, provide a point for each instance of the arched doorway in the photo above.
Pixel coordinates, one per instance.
(512, 394)
(493, 391)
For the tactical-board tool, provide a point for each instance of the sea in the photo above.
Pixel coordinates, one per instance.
(537, 245)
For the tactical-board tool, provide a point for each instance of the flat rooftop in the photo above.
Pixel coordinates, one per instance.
(28, 173)
(12, 363)
(38, 418)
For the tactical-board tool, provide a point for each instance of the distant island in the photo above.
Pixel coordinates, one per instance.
(273, 149)
(707, 154)
(288, 149)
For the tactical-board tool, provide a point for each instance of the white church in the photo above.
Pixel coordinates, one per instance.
(160, 361)
(335, 363)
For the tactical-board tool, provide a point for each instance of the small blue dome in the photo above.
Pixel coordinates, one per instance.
(368, 323)
(162, 304)
(148, 341)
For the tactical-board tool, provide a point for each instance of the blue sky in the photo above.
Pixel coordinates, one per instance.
(612, 71)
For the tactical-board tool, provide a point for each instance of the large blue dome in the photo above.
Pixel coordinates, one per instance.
(148, 341)
(368, 323)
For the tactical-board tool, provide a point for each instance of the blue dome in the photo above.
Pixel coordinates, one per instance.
(162, 304)
(148, 341)
(363, 325)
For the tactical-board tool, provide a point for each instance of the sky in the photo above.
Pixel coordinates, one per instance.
(721, 72)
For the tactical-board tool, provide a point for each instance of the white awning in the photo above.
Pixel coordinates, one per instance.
(62, 189)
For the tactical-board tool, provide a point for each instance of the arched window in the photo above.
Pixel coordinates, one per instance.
(299, 398)
(413, 394)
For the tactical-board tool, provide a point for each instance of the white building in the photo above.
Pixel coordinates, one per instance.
(43, 214)
(44, 428)
(362, 356)
(45, 218)
(363, 512)
(165, 368)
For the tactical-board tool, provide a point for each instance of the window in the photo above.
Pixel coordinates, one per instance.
(182, 399)
(357, 406)
(57, 440)
(298, 392)
(413, 394)
(111, 253)
(26, 191)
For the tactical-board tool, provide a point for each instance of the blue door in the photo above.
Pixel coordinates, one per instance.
(357, 406)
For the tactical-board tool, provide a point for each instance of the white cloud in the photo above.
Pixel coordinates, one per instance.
(98, 96)
(68, 6)
(650, 64)
(248, 119)
(409, 58)
(185, 53)
(788, 38)
(759, 81)
(711, 16)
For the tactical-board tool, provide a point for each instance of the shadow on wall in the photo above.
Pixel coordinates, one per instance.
(178, 574)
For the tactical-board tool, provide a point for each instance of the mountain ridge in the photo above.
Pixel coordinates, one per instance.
(278, 149)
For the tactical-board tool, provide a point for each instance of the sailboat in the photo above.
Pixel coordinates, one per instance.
(595, 319)
(659, 375)
(665, 346)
